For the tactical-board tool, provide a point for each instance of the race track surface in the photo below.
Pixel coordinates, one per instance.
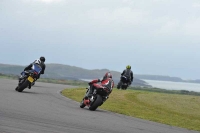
(43, 109)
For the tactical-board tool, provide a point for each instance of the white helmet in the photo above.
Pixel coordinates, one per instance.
(37, 61)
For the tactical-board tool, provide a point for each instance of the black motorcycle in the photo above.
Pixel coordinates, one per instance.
(123, 83)
(98, 97)
(29, 77)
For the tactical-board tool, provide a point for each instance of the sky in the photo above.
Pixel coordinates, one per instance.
(156, 37)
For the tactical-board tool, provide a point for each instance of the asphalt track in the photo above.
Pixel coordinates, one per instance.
(43, 109)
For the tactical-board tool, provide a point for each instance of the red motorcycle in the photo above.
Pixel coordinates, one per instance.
(98, 97)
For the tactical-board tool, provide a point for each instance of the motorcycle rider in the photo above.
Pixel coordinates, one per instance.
(106, 83)
(39, 62)
(128, 74)
(42, 64)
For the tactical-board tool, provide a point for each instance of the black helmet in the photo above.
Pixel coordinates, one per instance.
(42, 58)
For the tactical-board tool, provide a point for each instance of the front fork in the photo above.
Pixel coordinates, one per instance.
(87, 92)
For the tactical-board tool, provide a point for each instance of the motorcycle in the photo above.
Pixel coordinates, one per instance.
(98, 97)
(29, 78)
(123, 83)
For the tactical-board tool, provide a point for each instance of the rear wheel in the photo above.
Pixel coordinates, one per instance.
(125, 87)
(23, 86)
(122, 87)
(118, 85)
(96, 103)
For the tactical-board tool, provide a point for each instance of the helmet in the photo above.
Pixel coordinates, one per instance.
(107, 75)
(37, 61)
(128, 67)
(42, 58)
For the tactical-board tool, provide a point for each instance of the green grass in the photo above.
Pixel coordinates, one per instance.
(172, 109)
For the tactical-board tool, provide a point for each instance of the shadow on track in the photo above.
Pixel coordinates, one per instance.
(29, 92)
(98, 110)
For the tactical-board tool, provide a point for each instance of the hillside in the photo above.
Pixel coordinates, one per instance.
(59, 71)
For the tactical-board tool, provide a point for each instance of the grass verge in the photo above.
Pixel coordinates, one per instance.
(172, 109)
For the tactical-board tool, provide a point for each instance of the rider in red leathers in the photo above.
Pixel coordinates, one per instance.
(106, 84)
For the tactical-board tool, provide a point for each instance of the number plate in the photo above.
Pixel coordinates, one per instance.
(30, 79)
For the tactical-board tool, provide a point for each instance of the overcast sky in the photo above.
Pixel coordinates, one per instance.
(159, 37)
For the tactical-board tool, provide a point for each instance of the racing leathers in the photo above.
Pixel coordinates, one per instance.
(128, 74)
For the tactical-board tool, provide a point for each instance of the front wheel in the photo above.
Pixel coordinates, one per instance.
(96, 103)
(82, 105)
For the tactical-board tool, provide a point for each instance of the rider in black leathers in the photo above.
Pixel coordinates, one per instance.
(41, 63)
(128, 74)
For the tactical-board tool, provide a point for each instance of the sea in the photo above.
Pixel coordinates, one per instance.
(174, 85)
(168, 85)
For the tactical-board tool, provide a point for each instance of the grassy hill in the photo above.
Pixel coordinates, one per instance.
(60, 71)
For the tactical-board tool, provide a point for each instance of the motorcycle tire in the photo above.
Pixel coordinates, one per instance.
(98, 101)
(122, 87)
(125, 88)
(118, 87)
(23, 86)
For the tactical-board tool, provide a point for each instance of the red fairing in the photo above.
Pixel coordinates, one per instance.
(108, 84)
